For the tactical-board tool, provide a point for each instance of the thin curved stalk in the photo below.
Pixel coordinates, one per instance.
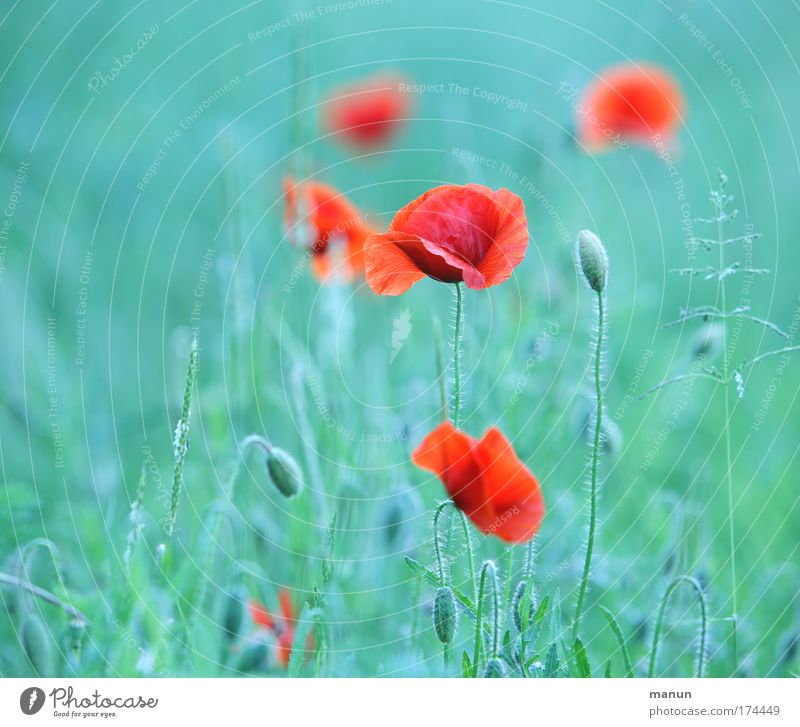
(41, 593)
(701, 634)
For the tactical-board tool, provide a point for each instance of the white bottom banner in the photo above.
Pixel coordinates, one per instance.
(381, 702)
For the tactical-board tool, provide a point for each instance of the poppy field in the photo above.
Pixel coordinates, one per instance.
(381, 338)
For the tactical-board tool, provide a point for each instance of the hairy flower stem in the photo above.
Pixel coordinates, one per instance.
(440, 369)
(437, 546)
(457, 354)
(487, 566)
(595, 457)
(467, 545)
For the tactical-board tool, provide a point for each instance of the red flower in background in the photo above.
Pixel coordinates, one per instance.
(367, 114)
(486, 480)
(283, 626)
(628, 101)
(451, 233)
(336, 229)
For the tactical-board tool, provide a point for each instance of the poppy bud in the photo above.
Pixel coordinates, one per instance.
(233, 616)
(516, 602)
(593, 260)
(37, 645)
(494, 669)
(284, 472)
(253, 656)
(445, 615)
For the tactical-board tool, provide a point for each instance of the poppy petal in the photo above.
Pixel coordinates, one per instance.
(448, 453)
(512, 489)
(510, 238)
(259, 615)
(387, 268)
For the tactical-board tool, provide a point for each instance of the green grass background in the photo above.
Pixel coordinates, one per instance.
(309, 366)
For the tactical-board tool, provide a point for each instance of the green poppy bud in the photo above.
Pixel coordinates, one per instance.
(445, 615)
(494, 669)
(284, 472)
(253, 657)
(37, 645)
(593, 260)
(233, 615)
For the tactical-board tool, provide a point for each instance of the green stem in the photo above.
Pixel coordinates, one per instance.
(487, 566)
(701, 650)
(41, 593)
(509, 575)
(440, 370)
(467, 545)
(728, 475)
(595, 457)
(457, 354)
(436, 544)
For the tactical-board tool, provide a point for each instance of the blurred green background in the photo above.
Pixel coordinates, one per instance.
(105, 271)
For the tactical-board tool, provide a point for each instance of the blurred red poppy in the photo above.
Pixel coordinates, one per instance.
(283, 626)
(451, 233)
(368, 113)
(635, 102)
(486, 480)
(336, 229)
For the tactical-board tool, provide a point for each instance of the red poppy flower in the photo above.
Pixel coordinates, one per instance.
(633, 102)
(367, 114)
(337, 230)
(451, 233)
(486, 480)
(283, 626)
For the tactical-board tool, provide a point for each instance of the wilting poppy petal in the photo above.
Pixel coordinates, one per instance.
(337, 230)
(635, 102)
(452, 234)
(486, 480)
(366, 114)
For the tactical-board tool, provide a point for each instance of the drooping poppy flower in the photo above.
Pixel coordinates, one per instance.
(283, 626)
(486, 480)
(635, 102)
(336, 229)
(451, 233)
(368, 113)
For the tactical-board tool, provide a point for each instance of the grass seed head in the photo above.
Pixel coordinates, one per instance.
(593, 260)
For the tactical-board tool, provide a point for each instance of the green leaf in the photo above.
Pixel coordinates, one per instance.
(301, 633)
(608, 669)
(551, 662)
(617, 631)
(434, 580)
(466, 666)
(581, 659)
